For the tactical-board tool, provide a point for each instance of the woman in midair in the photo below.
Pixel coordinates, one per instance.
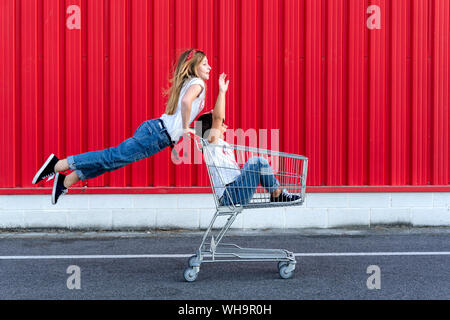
(186, 100)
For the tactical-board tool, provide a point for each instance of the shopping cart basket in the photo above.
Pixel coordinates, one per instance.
(290, 171)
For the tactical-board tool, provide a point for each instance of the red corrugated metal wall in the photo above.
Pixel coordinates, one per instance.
(368, 103)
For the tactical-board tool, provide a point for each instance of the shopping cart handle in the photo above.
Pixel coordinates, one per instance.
(192, 135)
(197, 139)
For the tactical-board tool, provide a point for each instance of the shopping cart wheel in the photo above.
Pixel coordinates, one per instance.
(190, 274)
(194, 262)
(281, 264)
(286, 272)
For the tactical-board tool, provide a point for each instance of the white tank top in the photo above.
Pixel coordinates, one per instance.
(222, 164)
(174, 122)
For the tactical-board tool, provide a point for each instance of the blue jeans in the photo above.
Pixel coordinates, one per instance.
(255, 171)
(150, 138)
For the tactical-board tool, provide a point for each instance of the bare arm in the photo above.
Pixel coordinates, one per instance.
(186, 104)
(218, 114)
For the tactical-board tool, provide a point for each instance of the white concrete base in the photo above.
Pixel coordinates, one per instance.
(194, 211)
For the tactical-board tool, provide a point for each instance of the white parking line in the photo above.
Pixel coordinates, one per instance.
(123, 256)
(149, 256)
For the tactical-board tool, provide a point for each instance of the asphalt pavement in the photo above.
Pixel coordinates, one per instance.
(380, 263)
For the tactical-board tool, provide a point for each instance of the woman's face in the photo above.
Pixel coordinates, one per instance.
(204, 69)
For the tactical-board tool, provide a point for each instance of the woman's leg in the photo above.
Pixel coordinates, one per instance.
(254, 172)
(276, 193)
(71, 179)
(241, 190)
(147, 140)
(266, 176)
(271, 184)
(62, 165)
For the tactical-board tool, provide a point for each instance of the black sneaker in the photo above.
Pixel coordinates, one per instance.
(58, 187)
(47, 170)
(285, 197)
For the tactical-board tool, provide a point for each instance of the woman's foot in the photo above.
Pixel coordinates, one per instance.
(58, 187)
(47, 170)
(285, 197)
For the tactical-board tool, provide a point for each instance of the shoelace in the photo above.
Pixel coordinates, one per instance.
(289, 196)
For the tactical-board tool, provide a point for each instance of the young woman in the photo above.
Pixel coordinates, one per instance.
(186, 100)
(240, 184)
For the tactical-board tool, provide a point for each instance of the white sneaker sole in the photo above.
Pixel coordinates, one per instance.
(42, 168)
(55, 183)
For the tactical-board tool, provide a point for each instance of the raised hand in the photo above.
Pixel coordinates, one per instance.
(223, 85)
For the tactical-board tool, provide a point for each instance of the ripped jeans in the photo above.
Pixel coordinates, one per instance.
(256, 171)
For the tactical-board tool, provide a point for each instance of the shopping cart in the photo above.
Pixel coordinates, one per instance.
(289, 169)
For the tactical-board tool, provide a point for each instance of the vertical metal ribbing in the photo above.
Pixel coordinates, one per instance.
(52, 76)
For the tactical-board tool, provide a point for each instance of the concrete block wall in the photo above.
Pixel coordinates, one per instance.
(194, 211)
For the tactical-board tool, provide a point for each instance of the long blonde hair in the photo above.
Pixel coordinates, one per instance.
(185, 69)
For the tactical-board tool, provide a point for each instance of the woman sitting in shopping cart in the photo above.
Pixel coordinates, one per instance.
(232, 184)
